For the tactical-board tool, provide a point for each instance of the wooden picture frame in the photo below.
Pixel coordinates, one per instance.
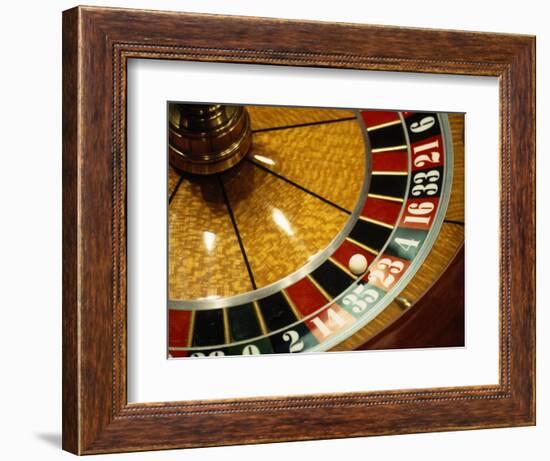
(97, 43)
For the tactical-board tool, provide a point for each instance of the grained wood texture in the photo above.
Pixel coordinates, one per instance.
(310, 156)
(455, 210)
(274, 254)
(70, 382)
(97, 44)
(307, 156)
(193, 270)
(262, 117)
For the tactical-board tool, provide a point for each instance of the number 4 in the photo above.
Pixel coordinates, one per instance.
(406, 244)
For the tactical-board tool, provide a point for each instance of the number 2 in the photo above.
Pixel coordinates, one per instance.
(296, 344)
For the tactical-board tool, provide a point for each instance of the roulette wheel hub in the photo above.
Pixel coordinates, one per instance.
(208, 139)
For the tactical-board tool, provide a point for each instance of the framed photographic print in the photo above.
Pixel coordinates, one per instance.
(280, 230)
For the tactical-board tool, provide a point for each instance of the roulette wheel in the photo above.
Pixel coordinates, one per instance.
(297, 230)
